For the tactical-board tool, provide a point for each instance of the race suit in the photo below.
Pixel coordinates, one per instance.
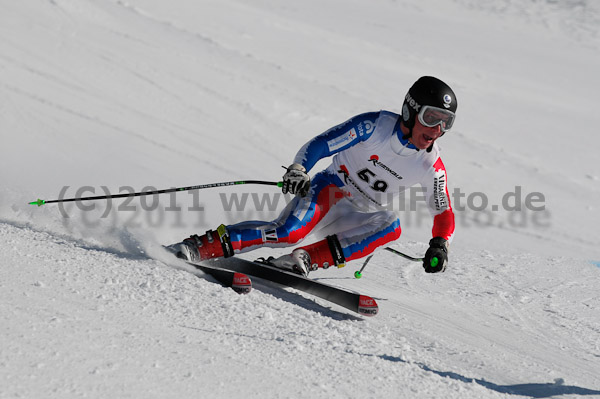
(353, 198)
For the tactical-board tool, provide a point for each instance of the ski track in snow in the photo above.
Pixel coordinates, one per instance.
(113, 93)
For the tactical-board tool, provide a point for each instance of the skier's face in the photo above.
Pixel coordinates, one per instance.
(423, 136)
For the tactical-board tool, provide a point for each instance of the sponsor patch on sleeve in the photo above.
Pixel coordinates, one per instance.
(342, 140)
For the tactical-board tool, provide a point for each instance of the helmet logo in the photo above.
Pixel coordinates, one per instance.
(405, 113)
(412, 102)
(447, 100)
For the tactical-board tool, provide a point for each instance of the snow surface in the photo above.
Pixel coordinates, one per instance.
(107, 94)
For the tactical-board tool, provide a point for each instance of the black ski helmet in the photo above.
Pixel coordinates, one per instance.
(426, 91)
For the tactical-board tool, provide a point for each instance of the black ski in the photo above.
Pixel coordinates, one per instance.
(358, 303)
(239, 282)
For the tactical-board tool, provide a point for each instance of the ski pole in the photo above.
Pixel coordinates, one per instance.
(358, 273)
(392, 250)
(434, 261)
(41, 202)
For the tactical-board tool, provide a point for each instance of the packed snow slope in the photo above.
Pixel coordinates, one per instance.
(118, 96)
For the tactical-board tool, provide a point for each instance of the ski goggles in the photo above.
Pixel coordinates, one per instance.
(432, 116)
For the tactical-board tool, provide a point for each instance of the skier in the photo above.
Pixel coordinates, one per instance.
(376, 156)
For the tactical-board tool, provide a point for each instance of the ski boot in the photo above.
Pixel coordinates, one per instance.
(303, 260)
(297, 262)
(213, 244)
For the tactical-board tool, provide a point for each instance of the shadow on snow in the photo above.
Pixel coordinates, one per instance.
(533, 390)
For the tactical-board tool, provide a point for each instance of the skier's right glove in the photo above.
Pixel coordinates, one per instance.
(436, 257)
(296, 180)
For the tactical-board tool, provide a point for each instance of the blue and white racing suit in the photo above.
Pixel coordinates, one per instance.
(372, 164)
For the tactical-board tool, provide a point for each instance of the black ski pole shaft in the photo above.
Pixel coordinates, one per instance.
(41, 202)
(392, 250)
(433, 262)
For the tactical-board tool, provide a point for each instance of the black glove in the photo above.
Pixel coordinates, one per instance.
(436, 257)
(296, 180)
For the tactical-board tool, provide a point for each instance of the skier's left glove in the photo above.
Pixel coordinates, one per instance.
(296, 180)
(436, 257)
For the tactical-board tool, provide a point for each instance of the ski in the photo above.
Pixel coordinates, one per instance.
(239, 282)
(361, 304)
